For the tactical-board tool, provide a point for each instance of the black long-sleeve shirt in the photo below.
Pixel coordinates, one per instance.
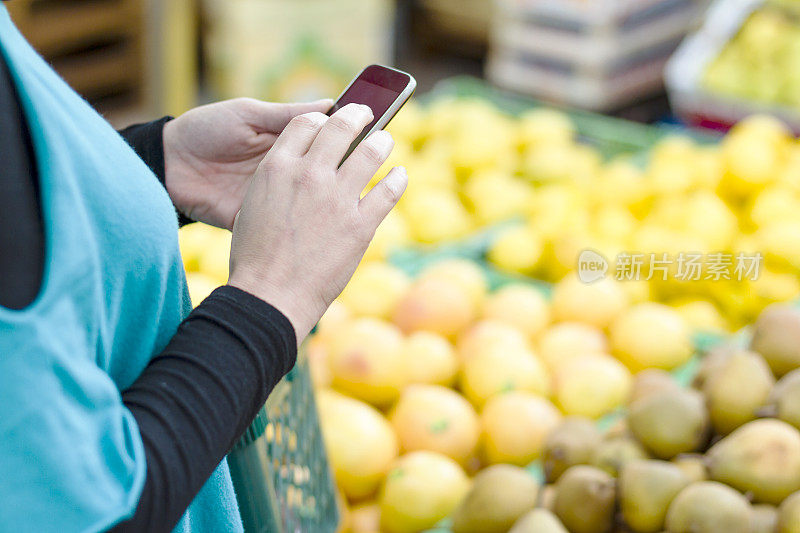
(195, 398)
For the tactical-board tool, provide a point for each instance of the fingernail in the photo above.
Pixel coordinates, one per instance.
(383, 138)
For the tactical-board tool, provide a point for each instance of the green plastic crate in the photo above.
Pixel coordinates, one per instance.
(279, 467)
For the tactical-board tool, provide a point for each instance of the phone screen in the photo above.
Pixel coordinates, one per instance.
(377, 88)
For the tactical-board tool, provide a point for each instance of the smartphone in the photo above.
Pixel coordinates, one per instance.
(384, 90)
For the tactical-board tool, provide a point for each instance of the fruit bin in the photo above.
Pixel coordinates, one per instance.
(684, 73)
(594, 55)
(279, 468)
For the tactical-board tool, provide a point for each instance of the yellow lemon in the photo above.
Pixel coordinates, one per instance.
(515, 426)
(193, 240)
(318, 366)
(543, 125)
(375, 289)
(592, 385)
(359, 440)
(780, 245)
(365, 518)
(495, 196)
(435, 418)
(651, 335)
(562, 342)
(521, 306)
(421, 489)
(463, 272)
(517, 250)
(488, 335)
(596, 304)
(436, 215)
(366, 360)
(335, 317)
(429, 358)
(436, 305)
(701, 315)
(215, 256)
(497, 369)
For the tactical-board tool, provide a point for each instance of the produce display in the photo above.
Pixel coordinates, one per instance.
(466, 395)
(760, 62)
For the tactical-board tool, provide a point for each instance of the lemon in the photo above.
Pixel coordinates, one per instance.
(620, 183)
(464, 273)
(543, 125)
(773, 204)
(562, 342)
(436, 305)
(435, 418)
(517, 249)
(366, 360)
(436, 215)
(429, 358)
(520, 306)
(651, 335)
(421, 489)
(754, 152)
(487, 335)
(193, 240)
(592, 385)
(495, 196)
(392, 233)
(498, 369)
(359, 441)
(612, 223)
(365, 517)
(701, 315)
(375, 289)
(200, 286)
(596, 304)
(515, 426)
(559, 208)
(408, 124)
(779, 243)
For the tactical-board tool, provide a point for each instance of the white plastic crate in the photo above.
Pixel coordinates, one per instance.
(596, 55)
(684, 72)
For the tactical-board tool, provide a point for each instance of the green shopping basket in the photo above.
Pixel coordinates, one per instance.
(279, 467)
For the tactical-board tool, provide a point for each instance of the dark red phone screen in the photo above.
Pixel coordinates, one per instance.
(378, 98)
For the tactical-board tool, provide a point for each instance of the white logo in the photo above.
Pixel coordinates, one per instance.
(592, 266)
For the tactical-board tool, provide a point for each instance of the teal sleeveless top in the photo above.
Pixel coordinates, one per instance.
(113, 294)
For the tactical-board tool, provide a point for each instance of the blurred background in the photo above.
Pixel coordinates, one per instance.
(141, 58)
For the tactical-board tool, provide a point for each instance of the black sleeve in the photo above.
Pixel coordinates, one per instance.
(199, 395)
(147, 140)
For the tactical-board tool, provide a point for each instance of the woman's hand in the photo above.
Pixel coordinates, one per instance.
(211, 152)
(303, 226)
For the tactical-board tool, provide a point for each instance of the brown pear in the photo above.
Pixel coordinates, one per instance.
(776, 336)
(737, 390)
(709, 507)
(649, 381)
(761, 458)
(585, 500)
(646, 488)
(571, 443)
(614, 452)
(670, 422)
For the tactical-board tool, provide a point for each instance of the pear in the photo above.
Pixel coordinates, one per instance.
(784, 400)
(789, 515)
(649, 381)
(776, 336)
(614, 452)
(762, 457)
(709, 507)
(570, 443)
(670, 422)
(710, 363)
(736, 391)
(765, 518)
(585, 500)
(538, 521)
(499, 495)
(646, 488)
(693, 466)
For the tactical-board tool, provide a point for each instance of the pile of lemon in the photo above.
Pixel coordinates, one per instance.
(471, 166)
(422, 382)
